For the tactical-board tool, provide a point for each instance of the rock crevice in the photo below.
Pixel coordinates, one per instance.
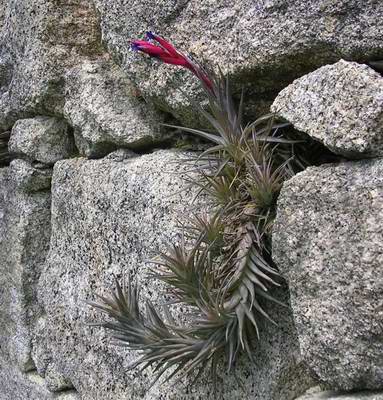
(71, 92)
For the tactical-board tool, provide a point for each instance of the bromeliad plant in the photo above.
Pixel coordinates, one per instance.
(5, 157)
(222, 268)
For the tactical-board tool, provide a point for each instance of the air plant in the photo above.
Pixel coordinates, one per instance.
(168, 54)
(223, 271)
(5, 157)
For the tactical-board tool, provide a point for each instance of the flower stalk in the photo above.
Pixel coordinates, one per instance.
(157, 47)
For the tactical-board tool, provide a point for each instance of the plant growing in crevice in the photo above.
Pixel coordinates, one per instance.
(5, 157)
(222, 267)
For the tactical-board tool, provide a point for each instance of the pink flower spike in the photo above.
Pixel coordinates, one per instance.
(148, 48)
(141, 42)
(166, 45)
(168, 54)
(207, 82)
(177, 61)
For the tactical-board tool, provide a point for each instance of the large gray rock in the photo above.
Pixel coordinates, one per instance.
(327, 242)
(102, 107)
(264, 44)
(109, 217)
(43, 139)
(340, 105)
(24, 240)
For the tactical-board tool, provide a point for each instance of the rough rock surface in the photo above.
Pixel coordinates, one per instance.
(327, 242)
(105, 112)
(69, 60)
(265, 44)
(40, 40)
(340, 105)
(113, 231)
(28, 177)
(43, 139)
(52, 62)
(24, 240)
(330, 395)
(16, 385)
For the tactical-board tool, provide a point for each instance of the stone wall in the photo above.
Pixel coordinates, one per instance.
(97, 185)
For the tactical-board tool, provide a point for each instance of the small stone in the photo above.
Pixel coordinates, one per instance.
(340, 105)
(100, 106)
(43, 139)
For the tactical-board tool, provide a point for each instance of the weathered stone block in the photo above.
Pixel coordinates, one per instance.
(110, 216)
(16, 385)
(105, 113)
(62, 69)
(327, 242)
(39, 41)
(24, 240)
(341, 105)
(30, 178)
(43, 139)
